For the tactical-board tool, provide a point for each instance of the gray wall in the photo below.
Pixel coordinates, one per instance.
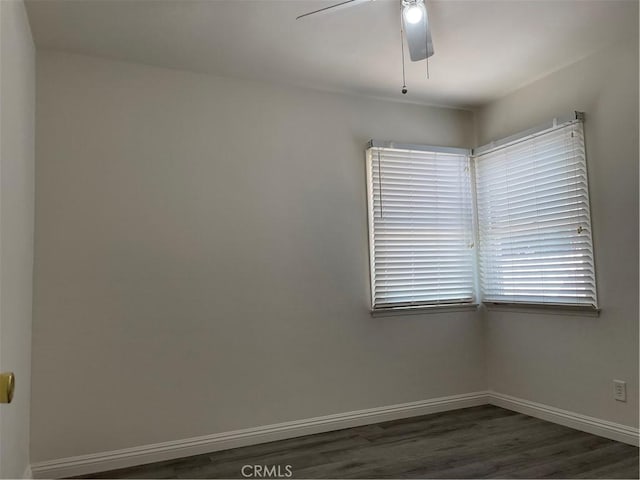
(17, 152)
(202, 260)
(201, 257)
(569, 362)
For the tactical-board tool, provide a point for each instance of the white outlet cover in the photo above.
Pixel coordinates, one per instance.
(620, 390)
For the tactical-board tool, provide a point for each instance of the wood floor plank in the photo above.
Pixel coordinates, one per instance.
(625, 468)
(577, 464)
(477, 442)
(507, 463)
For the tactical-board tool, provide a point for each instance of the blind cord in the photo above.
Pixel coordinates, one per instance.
(380, 184)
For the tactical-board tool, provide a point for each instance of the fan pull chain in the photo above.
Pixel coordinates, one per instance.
(426, 46)
(404, 81)
(427, 66)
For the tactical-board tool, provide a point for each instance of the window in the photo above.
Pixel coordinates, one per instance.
(534, 221)
(420, 227)
(524, 201)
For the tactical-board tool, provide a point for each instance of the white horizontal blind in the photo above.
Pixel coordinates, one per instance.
(534, 221)
(421, 228)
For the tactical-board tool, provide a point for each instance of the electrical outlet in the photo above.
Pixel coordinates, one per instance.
(620, 390)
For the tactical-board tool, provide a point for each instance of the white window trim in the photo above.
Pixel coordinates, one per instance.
(530, 134)
(538, 308)
(473, 303)
(430, 309)
(532, 308)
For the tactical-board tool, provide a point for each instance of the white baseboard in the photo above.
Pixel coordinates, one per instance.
(603, 428)
(27, 472)
(128, 457)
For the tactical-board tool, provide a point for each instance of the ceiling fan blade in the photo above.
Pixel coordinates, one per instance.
(333, 8)
(418, 37)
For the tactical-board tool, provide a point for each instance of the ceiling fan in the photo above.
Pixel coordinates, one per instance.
(415, 26)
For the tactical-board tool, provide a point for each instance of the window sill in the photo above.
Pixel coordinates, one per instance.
(578, 310)
(453, 307)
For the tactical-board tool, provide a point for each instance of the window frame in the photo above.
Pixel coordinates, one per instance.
(521, 307)
(403, 309)
(531, 133)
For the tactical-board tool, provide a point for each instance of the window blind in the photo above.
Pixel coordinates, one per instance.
(535, 242)
(420, 227)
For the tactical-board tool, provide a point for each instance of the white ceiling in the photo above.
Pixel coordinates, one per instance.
(484, 48)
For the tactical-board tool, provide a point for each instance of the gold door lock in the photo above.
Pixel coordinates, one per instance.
(7, 386)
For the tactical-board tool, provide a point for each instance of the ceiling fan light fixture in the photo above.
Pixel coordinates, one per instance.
(413, 12)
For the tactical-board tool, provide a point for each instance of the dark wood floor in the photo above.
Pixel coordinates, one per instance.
(478, 442)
